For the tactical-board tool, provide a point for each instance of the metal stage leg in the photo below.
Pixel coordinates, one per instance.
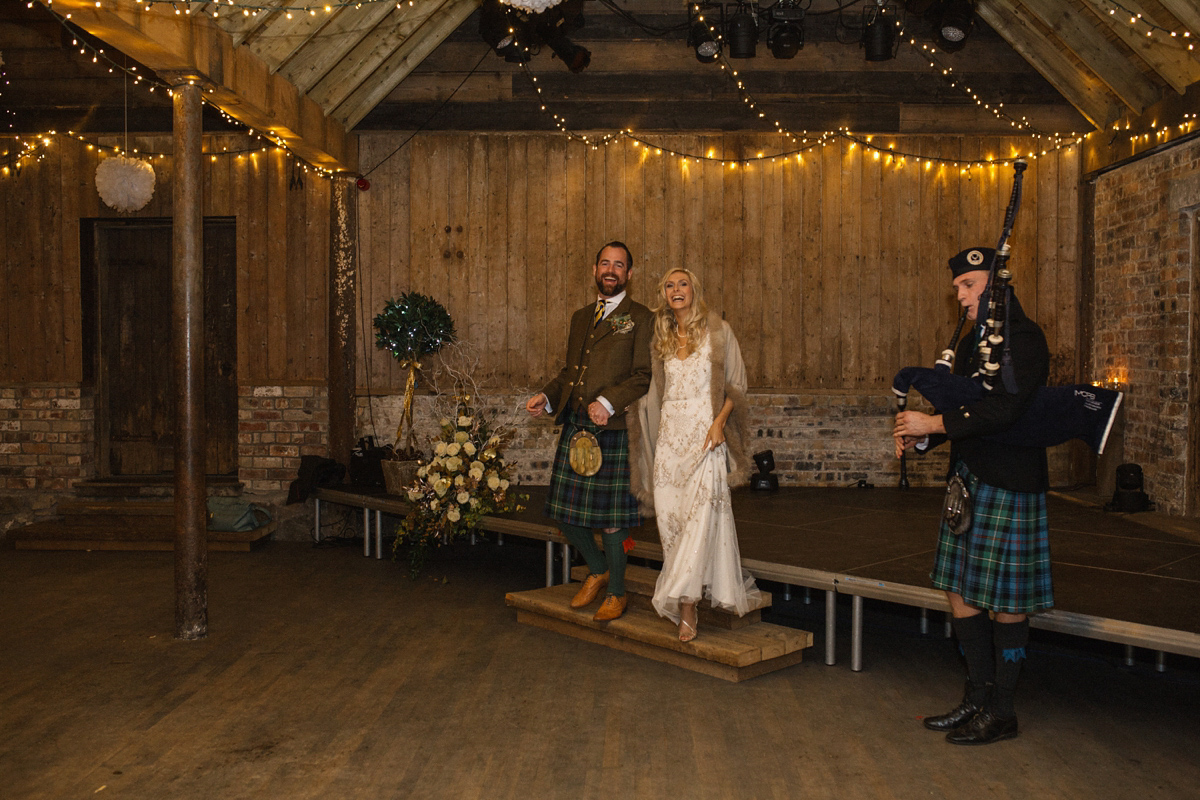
(566, 557)
(378, 534)
(367, 532)
(787, 592)
(947, 628)
(1160, 661)
(808, 595)
(1129, 655)
(830, 627)
(472, 538)
(316, 519)
(549, 563)
(856, 614)
(924, 621)
(499, 539)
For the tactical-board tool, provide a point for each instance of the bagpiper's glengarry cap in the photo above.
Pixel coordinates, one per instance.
(971, 259)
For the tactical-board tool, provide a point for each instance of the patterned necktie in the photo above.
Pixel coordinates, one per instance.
(599, 312)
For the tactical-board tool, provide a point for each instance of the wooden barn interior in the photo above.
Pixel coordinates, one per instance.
(312, 161)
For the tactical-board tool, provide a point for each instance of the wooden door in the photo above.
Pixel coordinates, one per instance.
(135, 408)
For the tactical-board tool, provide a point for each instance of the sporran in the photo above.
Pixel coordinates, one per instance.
(956, 509)
(586, 456)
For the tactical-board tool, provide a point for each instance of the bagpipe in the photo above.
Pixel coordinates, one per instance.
(1056, 414)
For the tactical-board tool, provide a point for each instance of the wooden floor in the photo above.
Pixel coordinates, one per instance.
(329, 675)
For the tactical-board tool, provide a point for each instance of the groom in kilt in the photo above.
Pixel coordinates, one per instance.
(1001, 562)
(607, 368)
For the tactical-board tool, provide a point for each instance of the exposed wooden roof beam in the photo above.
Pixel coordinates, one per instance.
(241, 24)
(1188, 14)
(1090, 45)
(307, 67)
(370, 89)
(1167, 57)
(235, 80)
(1080, 90)
(275, 41)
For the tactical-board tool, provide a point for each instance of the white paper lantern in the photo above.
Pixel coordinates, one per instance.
(125, 184)
(532, 6)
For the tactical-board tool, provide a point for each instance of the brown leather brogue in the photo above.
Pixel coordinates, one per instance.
(611, 608)
(590, 590)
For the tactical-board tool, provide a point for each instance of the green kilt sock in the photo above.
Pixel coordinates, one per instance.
(1010, 639)
(583, 541)
(614, 549)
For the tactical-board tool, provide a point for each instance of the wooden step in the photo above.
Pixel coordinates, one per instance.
(639, 589)
(152, 486)
(121, 506)
(116, 535)
(730, 655)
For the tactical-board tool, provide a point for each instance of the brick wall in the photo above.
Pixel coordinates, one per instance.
(819, 439)
(1143, 276)
(277, 425)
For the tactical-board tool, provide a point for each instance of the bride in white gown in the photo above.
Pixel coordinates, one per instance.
(690, 445)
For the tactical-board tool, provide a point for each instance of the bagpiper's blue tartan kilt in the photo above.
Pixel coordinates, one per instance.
(597, 501)
(1003, 562)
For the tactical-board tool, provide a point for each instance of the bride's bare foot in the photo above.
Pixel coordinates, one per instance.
(687, 622)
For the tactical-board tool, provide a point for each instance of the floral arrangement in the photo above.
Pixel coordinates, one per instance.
(466, 479)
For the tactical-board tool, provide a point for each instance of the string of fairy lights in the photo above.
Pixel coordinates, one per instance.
(1138, 20)
(32, 148)
(793, 145)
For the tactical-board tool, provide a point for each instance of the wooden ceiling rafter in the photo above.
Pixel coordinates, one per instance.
(309, 65)
(1168, 58)
(1082, 90)
(239, 83)
(1089, 44)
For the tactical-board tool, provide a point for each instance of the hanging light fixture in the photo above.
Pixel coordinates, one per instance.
(700, 32)
(879, 32)
(785, 35)
(957, 19)
(125, 184)
(742, 32)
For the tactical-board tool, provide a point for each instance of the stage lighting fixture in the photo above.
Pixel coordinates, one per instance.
(500, 26)
(574, 56)
(879, 33)
(785, 36)
(742, 33)
(958, 17)
(700, 32)
(763, 480)
(1129, 497)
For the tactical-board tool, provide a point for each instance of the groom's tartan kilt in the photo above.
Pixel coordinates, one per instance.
(596, 501)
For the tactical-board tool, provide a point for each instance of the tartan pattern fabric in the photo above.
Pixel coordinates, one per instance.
(597, 501)
(1003, 562)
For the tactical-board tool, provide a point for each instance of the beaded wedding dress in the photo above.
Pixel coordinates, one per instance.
(691, 495)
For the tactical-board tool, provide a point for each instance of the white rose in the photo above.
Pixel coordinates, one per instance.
(474, 502)
(453, 464)
(503, 484)
(441, 487)
(413, 495)
(462, 498)
(444, 421)
(459, 480)
(461, 436)
(464, 422)
(440, 448)
(493, 482)
(475, 474)
(433, 505)
(422, 472)
(469, 449)
(453, 515)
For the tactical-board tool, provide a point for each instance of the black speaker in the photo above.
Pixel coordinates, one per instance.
(1129, 497)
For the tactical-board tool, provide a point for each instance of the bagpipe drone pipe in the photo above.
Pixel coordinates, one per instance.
(1056, 414)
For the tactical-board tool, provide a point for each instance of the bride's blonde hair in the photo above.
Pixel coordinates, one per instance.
(695, 323)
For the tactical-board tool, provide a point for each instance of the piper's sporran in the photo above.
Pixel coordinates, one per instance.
(585, 454)
(956, 510)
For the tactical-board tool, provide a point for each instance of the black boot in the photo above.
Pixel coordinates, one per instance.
(984, 728)
(971, 703)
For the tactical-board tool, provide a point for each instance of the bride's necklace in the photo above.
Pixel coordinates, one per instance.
(681, 344)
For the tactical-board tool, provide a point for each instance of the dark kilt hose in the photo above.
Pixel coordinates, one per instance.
(1002, 563)
(602, 500)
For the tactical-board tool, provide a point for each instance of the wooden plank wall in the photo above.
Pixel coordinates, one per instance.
(282, 218)
(830, 267)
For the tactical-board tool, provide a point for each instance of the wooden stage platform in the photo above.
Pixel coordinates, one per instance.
(1115, 578)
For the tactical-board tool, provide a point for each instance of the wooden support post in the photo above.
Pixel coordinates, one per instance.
(343, 262)
(187, 315)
